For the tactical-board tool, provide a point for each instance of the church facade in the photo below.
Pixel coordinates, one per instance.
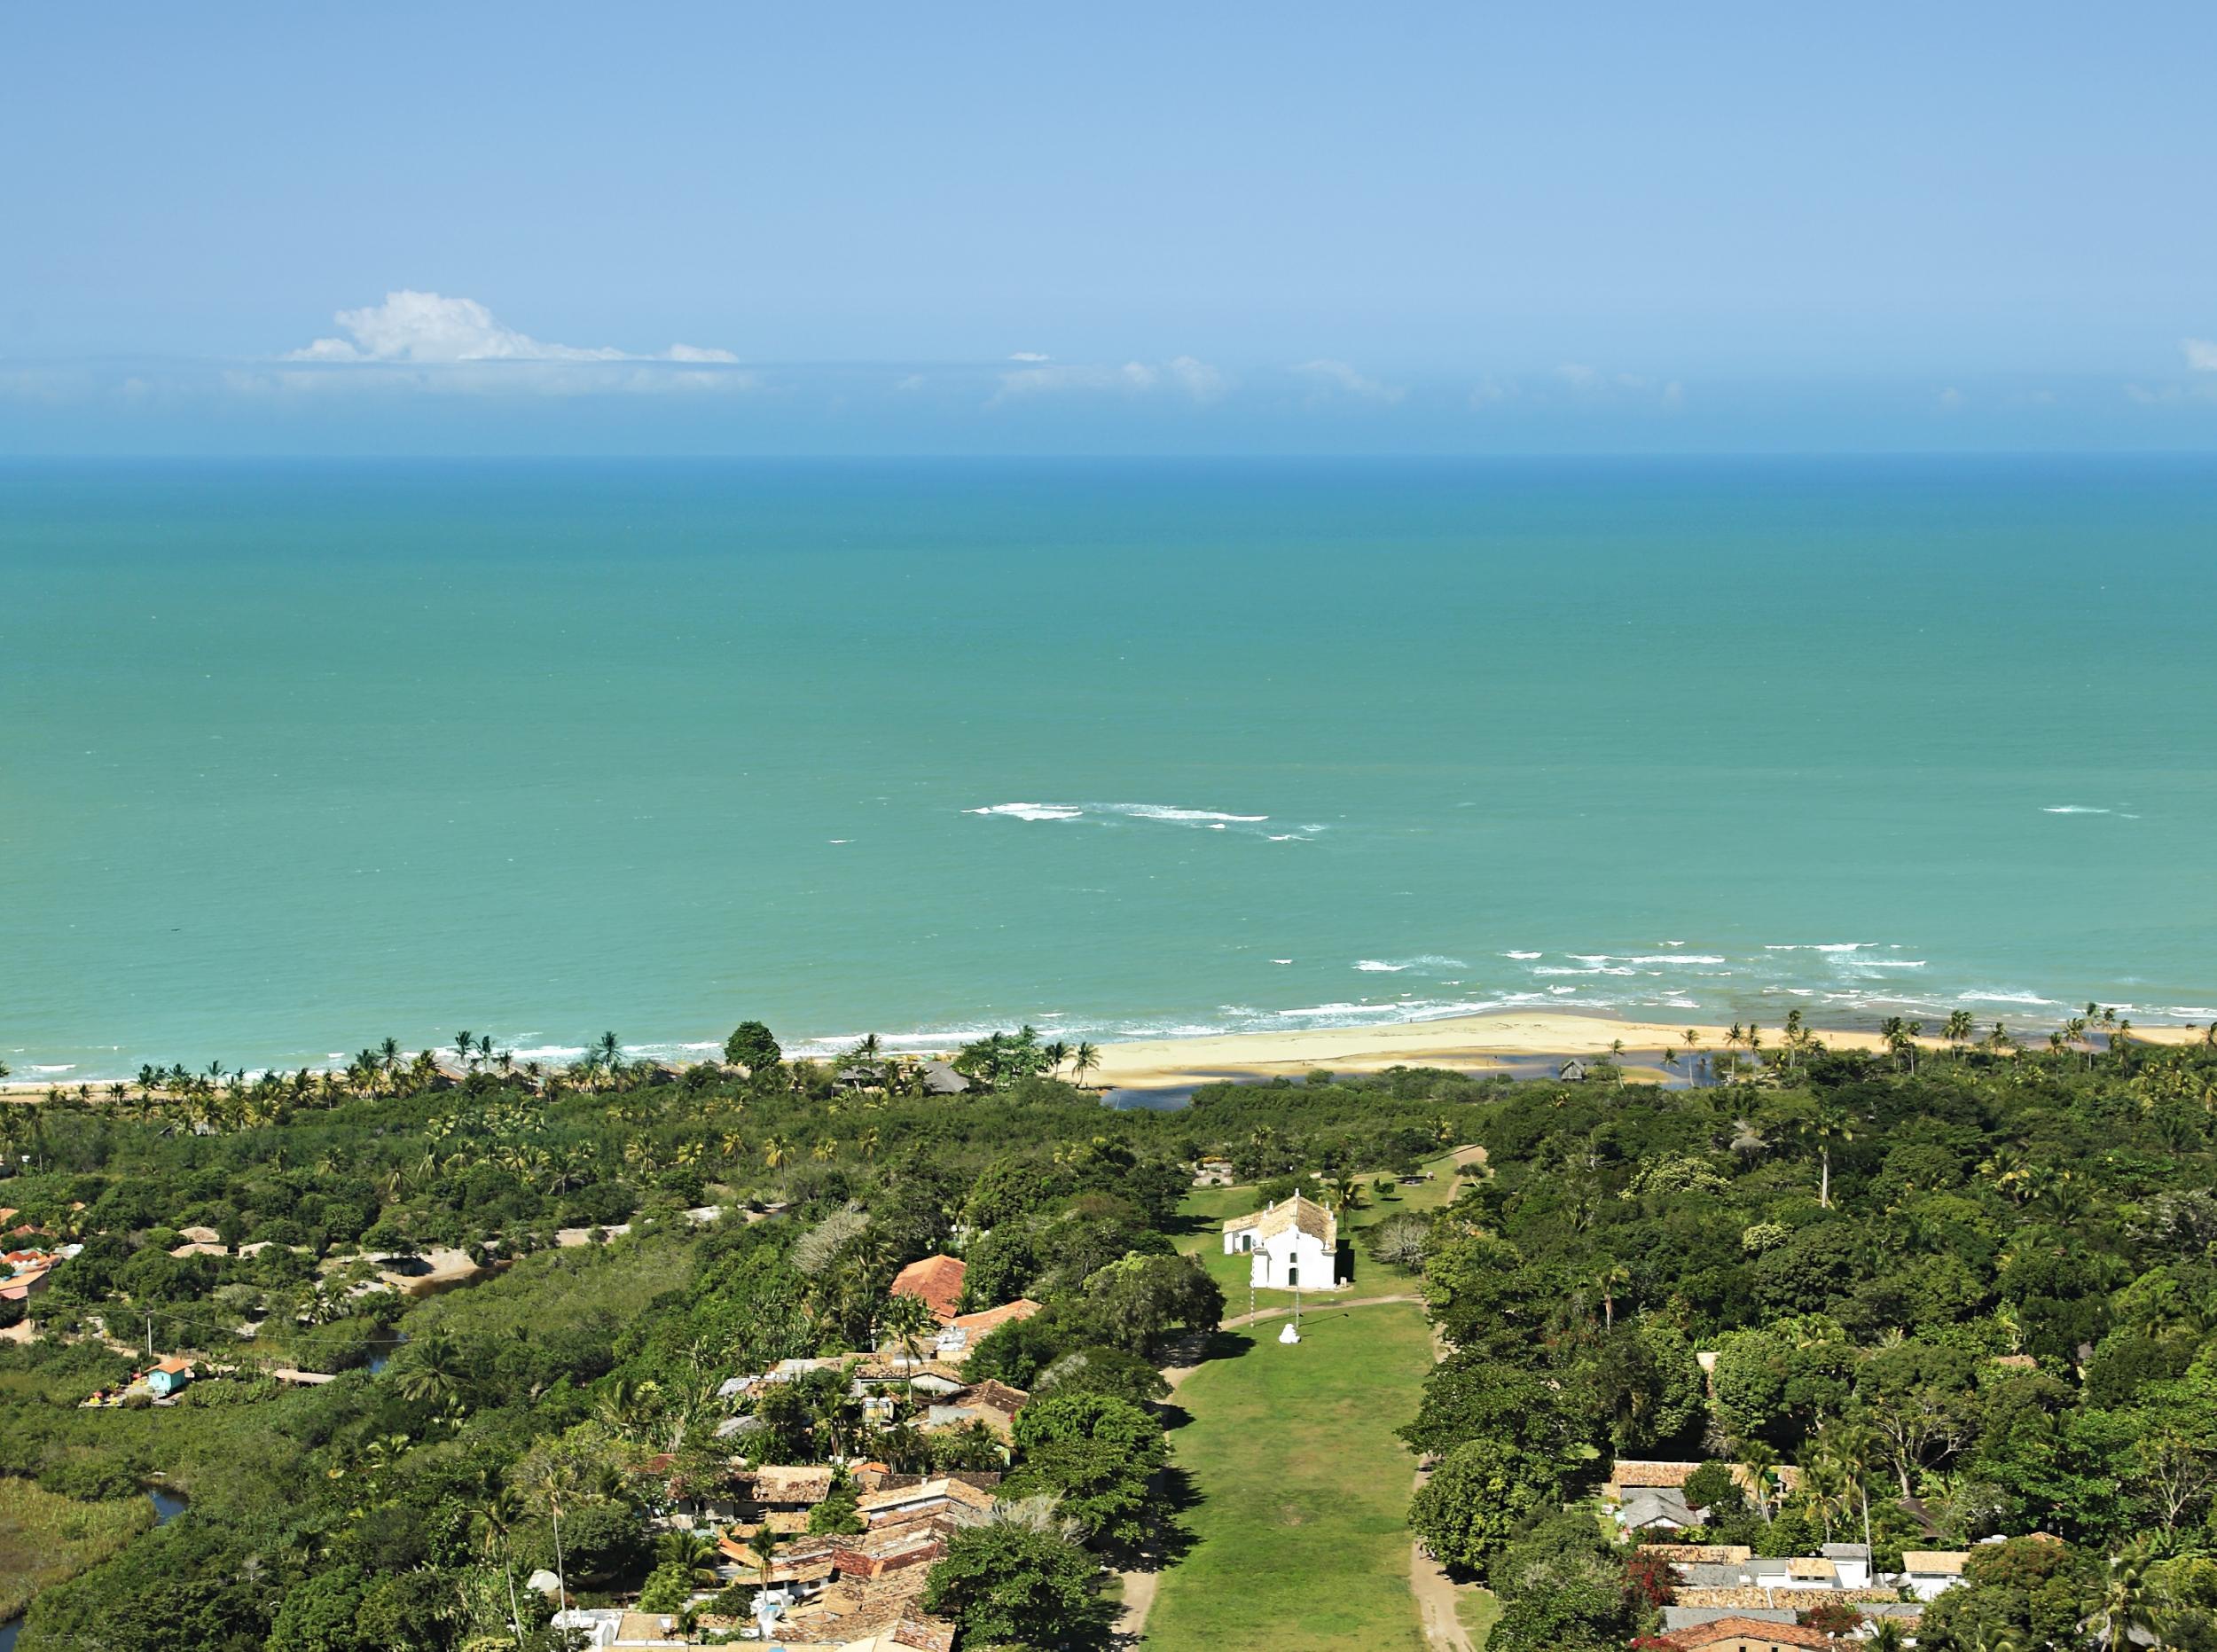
(1292, 1244)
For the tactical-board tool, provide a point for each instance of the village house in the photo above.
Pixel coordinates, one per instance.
(1747, 1634)
(937, 1280)
(1930, 1573)
(993, 1403)
(1291, 1244)
(170, 1375)
(965, 1331)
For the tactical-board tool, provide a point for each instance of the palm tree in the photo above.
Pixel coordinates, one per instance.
(2125, 1600)
(1669, 1058)
(1083, 1061)
(1827, 1125)
(1611, 1278)
(434, 1372)
(775, 1152)
(1055, 1055)
(463, 1043)
(695, 1551)
(1344, 1193)
(906, 1319)
(765, 1544)
(498, 1516)
(1693, 1054)
(1957, 1031)
(1761, 1464)
(1887, 1635)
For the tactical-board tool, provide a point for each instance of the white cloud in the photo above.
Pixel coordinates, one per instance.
(1951, 400)
(1030, 355)
(422, 329)
(1578, 376)
(2201, 354)
(1194, 378)
(1197, 378)
(1340, 378)
(1491, 392)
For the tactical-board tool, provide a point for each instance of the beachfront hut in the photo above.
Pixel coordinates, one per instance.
(170, 1375)
(1573, 1071)
(942, 1080)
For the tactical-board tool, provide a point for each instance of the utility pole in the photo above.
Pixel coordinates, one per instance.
(150, 1336)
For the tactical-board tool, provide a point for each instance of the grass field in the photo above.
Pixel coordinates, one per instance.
(1477, 1610)
(1205, 1208)
(47, 1539)
(1300, 1489)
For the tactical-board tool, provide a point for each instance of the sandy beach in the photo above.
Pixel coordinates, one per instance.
(1478, 1044)
(1475, 1042)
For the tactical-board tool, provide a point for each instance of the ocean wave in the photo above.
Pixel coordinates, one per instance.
(1817, 946)
(1374, 966)
(2075, 808)
(1597, 969)
(1344, 1009)
(1030, 811)
(2032, 1000)
(1163, 811)
(1423, 962)
(1648, 958)
(1524, 955)
(1889, 963)
(1166, 814)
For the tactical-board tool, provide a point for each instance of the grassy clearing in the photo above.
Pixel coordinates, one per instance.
(1477, 1610)
(1301, 1490)
(46, 1540)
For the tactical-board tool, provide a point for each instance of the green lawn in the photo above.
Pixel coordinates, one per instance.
(1300, 1489)
(1477, 1610)
(1206, 1208)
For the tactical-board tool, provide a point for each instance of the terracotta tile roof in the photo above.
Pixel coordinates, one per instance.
(174, 1364)
(1730, 1628)
(1810, 1567)
(779, 1484)
(939, 1491)
(1935, 1563)
(998, 1394)
(1699, 1554)
(937, 1279)
(1631, 1475)
(978, 1324)
(1796, 1598)
(1299, 1211)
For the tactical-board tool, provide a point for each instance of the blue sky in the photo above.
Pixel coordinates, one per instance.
(1231, 228)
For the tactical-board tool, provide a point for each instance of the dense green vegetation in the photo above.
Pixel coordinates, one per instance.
(45, 1537)
(395, 1508)
(1968, 1295)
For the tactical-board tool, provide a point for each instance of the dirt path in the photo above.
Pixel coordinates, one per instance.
(1436, 1596)
(1185, 1358)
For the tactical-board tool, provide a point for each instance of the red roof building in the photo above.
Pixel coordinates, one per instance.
(937, 1279)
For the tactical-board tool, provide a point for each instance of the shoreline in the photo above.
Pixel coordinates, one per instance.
(1494, 1040)
(1475, 1041)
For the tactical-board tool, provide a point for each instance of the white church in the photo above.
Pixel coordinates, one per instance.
(1294, 1244)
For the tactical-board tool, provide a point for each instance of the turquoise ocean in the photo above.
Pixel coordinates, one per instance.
(297, 755)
